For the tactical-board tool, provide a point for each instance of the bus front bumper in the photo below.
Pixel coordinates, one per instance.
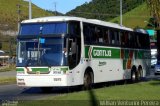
(42, 81)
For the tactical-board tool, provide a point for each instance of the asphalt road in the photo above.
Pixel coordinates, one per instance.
(13, 92)
(152, 76)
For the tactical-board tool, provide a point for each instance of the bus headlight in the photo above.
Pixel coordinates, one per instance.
(20, 72)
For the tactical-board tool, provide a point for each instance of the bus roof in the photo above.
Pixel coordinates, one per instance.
(69, 18)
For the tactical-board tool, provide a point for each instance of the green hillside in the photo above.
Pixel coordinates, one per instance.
(9, 15)
(137, 17)
(135, 12)
(9, 21)
(104, 9)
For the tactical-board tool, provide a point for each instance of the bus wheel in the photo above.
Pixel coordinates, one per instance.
(139, 74)
(88, 80)
(46, 89)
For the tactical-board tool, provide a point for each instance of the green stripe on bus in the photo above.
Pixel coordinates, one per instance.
(102, 52)
(19, 69)
(86, 51)
(40, 69)
(99, 52)
(64, 69)
(142, 54)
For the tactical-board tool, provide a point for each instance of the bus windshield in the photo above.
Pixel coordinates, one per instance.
(43, 28)
(41, 52)
(49, 44)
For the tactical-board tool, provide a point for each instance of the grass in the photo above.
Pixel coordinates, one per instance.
(142, 91)
(139, 91)
(136, 17)
(7, 80)
(9, 19)
(7, 68)
(9, 15)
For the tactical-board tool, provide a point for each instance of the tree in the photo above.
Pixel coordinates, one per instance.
(155, 10)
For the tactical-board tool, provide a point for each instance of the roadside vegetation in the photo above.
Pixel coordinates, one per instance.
(11, 67)
(103, 9)
(8, 44)
(141, 91)
(136, 18)
(7, 80)
(9, 15)
(9, 21)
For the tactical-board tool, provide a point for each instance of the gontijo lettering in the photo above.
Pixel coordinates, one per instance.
(104, 53)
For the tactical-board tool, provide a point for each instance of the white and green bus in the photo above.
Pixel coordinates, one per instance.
(69, 51)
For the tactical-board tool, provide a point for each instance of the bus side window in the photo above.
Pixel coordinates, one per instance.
(126, 39)
(122, 39)
(96, 34)
(74, 28)
(100, 35)
(135, 40)
(112, 37)
(105, 36)
(141, 37)
(146, 40)
(117, 39)
(119, 35)
(131, 40)
(138, 42)
(86, 32)
(109, 37)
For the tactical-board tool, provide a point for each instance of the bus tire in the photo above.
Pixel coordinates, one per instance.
(88, 80)
(46, 89)
(139, 73)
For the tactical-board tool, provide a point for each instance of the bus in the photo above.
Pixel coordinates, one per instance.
(64, 51)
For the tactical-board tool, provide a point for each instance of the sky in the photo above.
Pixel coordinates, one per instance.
(62, 6)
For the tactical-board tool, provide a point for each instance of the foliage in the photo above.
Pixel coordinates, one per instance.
(138, 17)
(9, 21)
(8, 44)
(154, 9)
(103, 9)
(9, 67)
(9, 15)
(139, 91)
(56, 13)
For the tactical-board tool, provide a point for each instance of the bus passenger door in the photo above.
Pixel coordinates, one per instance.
(72, 53)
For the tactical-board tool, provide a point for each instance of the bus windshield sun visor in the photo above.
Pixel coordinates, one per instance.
(38, 36)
